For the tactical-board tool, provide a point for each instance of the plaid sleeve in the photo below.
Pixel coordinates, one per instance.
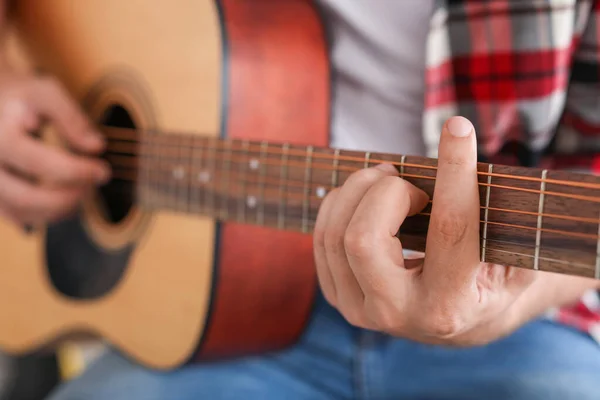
(579, 132)
(578, 144)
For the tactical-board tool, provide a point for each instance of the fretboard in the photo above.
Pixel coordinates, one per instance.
(530, 218)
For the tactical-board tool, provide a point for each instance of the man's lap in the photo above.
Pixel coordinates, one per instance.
(334, 361)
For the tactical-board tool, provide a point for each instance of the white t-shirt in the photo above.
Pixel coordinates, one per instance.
(378, 57)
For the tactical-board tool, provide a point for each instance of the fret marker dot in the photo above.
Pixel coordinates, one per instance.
(251, 201)
(321, 192)
(254, 164)
(178, 173)
(204, 176)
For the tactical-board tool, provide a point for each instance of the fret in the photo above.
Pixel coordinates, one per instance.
(150, 161)
(163, 186)
(334, 172)
(367, 158)
(244, 199)
(402, 161)
(156, 160)
(486, 212)
(565, 250)
(505, 244)
(322, 178)
(538, 233)
(307, 191)
(144, 193)
(414, 169)
(206, 176)
(349, 162)
(168, 170)
(283, 178)
(195, 168)
(182, 173)
(260, 216)
(272, 187)
(225, 181)
(294, 194)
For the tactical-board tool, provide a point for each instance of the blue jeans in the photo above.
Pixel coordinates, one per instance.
(333, 360)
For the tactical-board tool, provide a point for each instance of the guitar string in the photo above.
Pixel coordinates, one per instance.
(290, 220)
(317, 186)
(299, 222)
(301, 185)
(314, 186)
(506, 176)
(327, 156)
(300, 197)
(341, 168)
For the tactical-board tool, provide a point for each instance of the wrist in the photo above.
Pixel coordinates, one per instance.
(549, 290)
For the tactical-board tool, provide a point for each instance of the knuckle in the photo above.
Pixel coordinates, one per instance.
(22, 205)
(334, 241)
(11, 112)
(455, 160)
(364, 177)
(451, 227)
(442, 323)
(13, 106)
(386, 317)
(359, 243)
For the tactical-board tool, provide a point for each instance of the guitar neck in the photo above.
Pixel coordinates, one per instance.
(530, 218)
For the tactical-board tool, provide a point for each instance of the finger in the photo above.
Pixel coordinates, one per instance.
(374, 252)
(31, 204)
(452, 255)
(5, 214)
(54, 166)
(323, 273)
(349, 293)
(55, 103)
(15, 118)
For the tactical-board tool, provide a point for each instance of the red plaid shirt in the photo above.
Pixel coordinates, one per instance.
(527, 74)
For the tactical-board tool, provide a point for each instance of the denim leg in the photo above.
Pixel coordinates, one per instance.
(318, 367)
(542, 360)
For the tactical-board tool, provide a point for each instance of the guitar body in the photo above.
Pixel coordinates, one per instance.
(168, 288)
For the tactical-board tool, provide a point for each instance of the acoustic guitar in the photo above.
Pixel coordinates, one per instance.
(217, 117)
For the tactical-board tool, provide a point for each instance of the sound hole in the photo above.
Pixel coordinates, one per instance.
(77, 267)
(118, 195)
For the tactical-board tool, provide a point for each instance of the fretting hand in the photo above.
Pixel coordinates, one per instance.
(450, 296)
(39, 183)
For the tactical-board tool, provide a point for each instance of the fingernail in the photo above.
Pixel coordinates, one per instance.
(386, 167)
(460, 127)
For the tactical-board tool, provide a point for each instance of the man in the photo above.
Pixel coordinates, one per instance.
(448, 327)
